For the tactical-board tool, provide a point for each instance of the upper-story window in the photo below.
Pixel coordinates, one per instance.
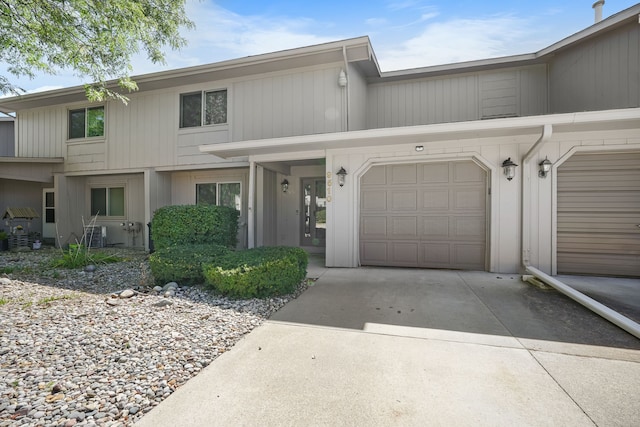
(86, 122)
(203, 108)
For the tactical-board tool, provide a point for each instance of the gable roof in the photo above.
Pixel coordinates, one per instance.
(356, 50)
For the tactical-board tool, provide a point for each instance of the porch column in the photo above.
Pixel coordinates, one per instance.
(251, 221)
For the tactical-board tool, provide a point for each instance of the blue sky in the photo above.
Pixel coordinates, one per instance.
(404, 33)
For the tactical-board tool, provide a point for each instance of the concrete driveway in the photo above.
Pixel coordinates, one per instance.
(406, 347)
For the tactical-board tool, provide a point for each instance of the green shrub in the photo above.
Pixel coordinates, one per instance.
(199, 224)
(183, 264)
(257, 273)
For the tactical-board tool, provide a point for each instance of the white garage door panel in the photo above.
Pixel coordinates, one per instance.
(435, 216)
(598, 214)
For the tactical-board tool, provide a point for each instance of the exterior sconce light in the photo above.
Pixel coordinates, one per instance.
(284, 185)
(545, 167)
(341, 175)
(509, 168)
(342, 79)
(419, 148)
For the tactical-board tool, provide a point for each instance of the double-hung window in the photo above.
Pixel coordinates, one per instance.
(107, 201)
(86, 122)
(203, 108)
(219, 194)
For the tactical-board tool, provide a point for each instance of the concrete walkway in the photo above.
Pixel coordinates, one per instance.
(385, 347)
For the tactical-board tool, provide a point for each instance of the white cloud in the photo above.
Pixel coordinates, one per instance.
(462, 40)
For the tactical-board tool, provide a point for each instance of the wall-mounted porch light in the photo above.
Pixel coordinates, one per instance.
(342, 79)
(341, 175)
(545, 167)
(419, 148)
(509, 168)
(284, 185)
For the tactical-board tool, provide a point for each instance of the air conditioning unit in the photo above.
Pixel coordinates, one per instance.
(95, 236)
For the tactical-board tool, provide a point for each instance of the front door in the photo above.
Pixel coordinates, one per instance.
(49, 220)
(314, 209)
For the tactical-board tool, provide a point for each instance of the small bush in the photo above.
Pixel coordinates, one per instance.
(183, 264)
(183, 225)
(257, 273)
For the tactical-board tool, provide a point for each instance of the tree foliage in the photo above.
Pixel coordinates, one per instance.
(96, 39)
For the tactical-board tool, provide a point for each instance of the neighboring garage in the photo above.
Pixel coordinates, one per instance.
(429, 215)
(599, 214)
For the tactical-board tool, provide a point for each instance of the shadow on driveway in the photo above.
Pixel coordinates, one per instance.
(459, 301)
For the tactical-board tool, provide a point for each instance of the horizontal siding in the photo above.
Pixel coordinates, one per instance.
(86, 156)
(499, 94)
(600, 74)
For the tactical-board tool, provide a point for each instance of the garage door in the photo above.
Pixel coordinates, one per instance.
(598, 215)
(429, 215)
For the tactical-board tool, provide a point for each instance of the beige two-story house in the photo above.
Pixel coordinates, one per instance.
(485, 165)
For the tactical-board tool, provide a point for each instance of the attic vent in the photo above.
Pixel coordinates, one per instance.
(500, 116)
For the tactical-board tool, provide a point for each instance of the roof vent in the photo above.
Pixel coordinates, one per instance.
(597, 7)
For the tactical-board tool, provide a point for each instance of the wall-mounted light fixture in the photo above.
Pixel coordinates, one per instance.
(341, 175)
(342, 79)
(544, 167)
(419, 148)
(284, 185)
(509, 168)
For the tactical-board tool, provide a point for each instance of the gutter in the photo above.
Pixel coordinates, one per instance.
(612, 316)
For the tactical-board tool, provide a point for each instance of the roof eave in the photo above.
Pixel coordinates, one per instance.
(421, 134)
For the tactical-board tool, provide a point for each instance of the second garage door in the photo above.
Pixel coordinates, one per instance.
(599, 214)
(429, 215)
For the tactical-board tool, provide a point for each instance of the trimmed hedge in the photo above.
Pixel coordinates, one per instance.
(257, 273)
(194, 224)
(183, 264)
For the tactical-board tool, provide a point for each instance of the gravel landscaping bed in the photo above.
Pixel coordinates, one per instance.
(77, 350)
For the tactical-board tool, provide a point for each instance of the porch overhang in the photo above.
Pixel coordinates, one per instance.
(424, 134)
(30, 169)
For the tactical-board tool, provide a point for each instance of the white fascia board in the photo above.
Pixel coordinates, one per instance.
(416, 134)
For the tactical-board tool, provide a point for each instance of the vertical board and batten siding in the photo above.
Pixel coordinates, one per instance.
(514, 92)
(599, 74)
(304, 102)
(357, 103)
(42, 132)
(599, 214)
(142, 133)
(7, 140)
(267, 207)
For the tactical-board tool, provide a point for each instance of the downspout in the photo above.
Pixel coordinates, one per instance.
(346, 87)
(600, 309)
(547, 132)
(250, 208)
(612, 316)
